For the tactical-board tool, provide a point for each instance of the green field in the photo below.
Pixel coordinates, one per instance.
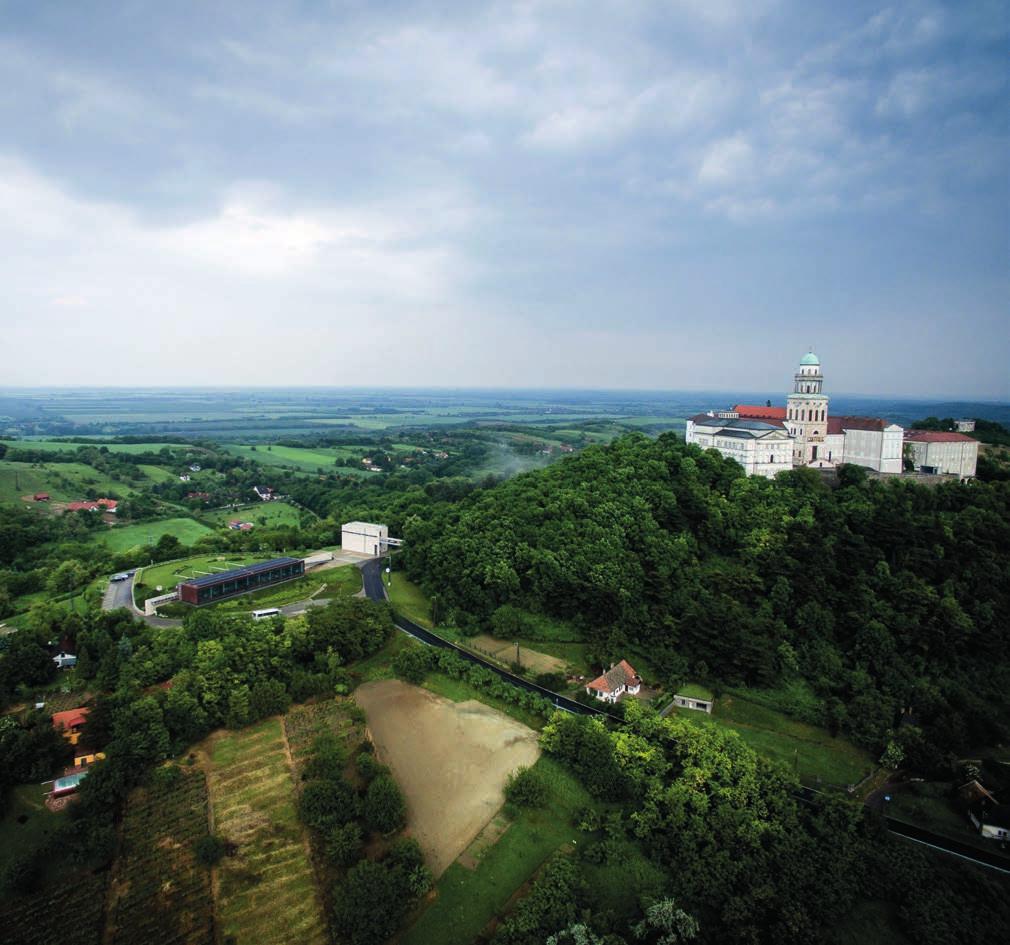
(328, 584)
(157, 474)
(806, 750)
(262, 515)
(122, 538)
(266, 892)
(65, 482)
(467, 900)
(304, 459)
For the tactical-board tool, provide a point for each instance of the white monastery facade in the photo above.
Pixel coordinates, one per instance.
(767, 440)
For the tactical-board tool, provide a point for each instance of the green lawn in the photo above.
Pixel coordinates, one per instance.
(18, 838)
(169, 574)
(694, 691)
(262, 515)
(335, 582)
(124, 537)
(408, 599)
(809, 751)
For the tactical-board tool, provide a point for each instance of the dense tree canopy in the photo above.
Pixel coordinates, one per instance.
(881, 596)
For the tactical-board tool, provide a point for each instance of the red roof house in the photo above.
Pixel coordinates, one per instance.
(615, 682)
(41, 497)
(70, 723)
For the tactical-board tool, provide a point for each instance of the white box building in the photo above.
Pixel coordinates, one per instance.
(364, 538)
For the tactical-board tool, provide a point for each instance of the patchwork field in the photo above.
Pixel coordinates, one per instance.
(159, 890)
(458, 751)
(266, 890)
(121, 538)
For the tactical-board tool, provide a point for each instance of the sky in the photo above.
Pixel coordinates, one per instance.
(686, 194)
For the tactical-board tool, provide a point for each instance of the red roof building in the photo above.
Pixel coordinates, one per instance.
(93, 505)
(41, 497)
(70, 723)
(752, 412)
(615, 682)
(937, 436)
(841, 424)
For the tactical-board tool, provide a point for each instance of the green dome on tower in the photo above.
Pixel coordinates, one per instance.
(810, 359)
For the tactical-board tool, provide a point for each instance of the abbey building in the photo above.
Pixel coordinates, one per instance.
(767, 440)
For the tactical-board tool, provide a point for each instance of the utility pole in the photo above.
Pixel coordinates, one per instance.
(517, 654)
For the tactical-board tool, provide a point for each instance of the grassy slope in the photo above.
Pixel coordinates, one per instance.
(52, 446)
(124, 537)
(65, 482)
(266, 892)
(26, 800)
(263, 515)
(468, 900)
(408, 599)
(805, 748)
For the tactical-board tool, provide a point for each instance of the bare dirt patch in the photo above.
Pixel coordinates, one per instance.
(450, 758)
(505, 652)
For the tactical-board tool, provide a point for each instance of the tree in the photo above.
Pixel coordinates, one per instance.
(328, 803)
(68, 576)
(526, 787)
(368, 904)
(385, 810)
(666, 924)
(210, 849)
(342, 843)
(893, 755)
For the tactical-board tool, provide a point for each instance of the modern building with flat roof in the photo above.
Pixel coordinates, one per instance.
(214, 587)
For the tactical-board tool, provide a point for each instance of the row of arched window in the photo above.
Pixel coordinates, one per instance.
(807, 413)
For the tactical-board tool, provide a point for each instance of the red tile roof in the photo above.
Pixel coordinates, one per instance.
(937, 436)
(70, 719)
(623, 674)
(751, 412)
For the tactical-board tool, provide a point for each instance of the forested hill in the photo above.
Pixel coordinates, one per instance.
(881, 596)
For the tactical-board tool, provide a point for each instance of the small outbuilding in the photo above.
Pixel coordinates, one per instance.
(70, 723)
(991, 820)
(693, 696)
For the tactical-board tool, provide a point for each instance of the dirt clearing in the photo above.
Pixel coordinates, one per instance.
(450, 758)
(506, 652)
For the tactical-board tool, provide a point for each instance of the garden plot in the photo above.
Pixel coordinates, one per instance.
(266, 890)
(505, 652)
(451, 760)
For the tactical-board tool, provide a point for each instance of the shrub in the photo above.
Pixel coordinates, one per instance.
(369, 767)
(553, 681)
(367, 904)
(328, 803)
(210, 849)
(412, 664)
(527, 788)
(385, 810)
(343, 844)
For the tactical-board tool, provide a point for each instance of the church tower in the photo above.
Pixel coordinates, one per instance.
(807, 412)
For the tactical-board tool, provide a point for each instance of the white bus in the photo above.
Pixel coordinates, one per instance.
(264, 614)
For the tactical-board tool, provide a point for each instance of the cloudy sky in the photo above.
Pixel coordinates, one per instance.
(679, 194)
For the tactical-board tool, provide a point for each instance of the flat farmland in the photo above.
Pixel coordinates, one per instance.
(159, 890)
(451, 761)
(266, 890)
(121, 538)
(56, 446)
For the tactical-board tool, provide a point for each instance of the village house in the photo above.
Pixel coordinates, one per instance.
(265, 493)
(65, 660)
(70, 723)
(695, 697)
(41, 497)
(991, 820)
(615, 682)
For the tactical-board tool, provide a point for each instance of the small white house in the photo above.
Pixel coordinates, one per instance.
(991, 820)
(364, 538)
(65, 660)
(615, 682)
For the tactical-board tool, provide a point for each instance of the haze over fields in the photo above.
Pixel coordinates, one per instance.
(679, 195)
